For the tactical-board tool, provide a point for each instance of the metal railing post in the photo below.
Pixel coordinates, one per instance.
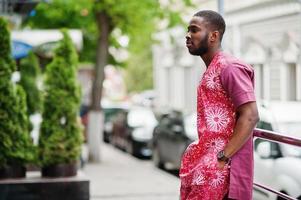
(275, 137)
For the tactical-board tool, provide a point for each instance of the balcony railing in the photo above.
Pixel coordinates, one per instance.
(275, 137)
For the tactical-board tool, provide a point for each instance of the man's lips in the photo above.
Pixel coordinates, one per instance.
(188, 44)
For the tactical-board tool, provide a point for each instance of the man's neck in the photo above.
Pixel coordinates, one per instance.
(207, 58)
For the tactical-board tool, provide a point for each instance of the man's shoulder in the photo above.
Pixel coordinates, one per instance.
(229, 62)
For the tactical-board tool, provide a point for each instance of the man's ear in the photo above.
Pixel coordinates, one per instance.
(213, 36)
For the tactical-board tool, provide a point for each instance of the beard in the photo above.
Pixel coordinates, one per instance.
(203, 47)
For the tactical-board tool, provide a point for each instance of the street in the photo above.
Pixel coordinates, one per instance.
(122, 177)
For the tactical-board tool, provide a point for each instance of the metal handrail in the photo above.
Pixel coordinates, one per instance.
(275, 137)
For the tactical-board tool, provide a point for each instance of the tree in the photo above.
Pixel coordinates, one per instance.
(68, 14)
(30, 72)
(138, 20)
(15, 143)
(98, 19)
(139, 73)
(61, 135)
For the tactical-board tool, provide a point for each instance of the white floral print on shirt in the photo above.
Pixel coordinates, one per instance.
(216, 119)
(212, 80)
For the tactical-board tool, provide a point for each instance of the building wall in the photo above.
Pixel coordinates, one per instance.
(264, 33)
(176, 72)
(270, 42)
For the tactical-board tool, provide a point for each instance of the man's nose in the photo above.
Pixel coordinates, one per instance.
(188, 35)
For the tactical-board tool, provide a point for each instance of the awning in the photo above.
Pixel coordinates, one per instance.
(20, 49)
(43, 42)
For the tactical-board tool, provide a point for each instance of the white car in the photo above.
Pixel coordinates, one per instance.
(132, 130)
(278, 165)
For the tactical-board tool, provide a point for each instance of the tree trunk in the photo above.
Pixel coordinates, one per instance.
(103, 23)
(95, 119)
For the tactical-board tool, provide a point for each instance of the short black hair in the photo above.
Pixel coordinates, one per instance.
(214, 19)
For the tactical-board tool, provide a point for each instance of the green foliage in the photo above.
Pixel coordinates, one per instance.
(132, 17)
(139, 73)
(24, 149)
(15, 143)
(67, 51)
(135, 18)
(5, 40)
(30, 72)
(5, 48)
(62, 13)
(61, 135)
(69, 14)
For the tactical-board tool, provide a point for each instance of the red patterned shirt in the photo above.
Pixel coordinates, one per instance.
(226, 84)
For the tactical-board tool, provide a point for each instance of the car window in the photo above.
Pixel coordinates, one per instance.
(120, 117)
(264, 125)
(176, 119)
(165, 121)
(275, 148)
(171, 119)
(109, 113)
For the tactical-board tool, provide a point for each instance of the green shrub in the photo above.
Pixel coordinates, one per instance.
(15, 143)
(30, 72)
(61, 134)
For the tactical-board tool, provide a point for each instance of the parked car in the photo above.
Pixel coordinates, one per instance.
(171, 137)
(109, 113)
(133, 130)
(278, 165)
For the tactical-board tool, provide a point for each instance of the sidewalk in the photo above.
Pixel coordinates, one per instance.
(122, 177)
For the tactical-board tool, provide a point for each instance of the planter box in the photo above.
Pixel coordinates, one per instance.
(59, 170)
(35, 188)
(12, 171)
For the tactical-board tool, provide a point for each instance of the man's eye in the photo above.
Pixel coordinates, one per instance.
(193, 30)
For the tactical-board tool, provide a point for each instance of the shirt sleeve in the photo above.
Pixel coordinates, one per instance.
(238, 82)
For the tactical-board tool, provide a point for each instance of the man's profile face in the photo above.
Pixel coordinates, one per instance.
(197, 36)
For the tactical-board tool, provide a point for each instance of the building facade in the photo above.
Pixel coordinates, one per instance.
(176, 72)
(264, 33)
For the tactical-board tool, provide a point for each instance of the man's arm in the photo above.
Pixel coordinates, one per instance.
(247, 117)
(238, 82)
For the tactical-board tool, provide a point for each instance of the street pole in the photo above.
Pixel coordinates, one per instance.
(298, 64)
(220, 7)
(220, 4)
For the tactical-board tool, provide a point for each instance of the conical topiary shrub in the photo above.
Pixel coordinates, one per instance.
(30, 72)
(15, 143)
(61, 135)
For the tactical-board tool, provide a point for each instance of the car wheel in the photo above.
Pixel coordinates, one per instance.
(156, 158)
(280, 198)
(113, 141)
(109, 139)
(129, 147)
(106, 137)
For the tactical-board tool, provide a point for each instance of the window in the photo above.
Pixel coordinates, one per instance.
(291, 82)
(259, 80)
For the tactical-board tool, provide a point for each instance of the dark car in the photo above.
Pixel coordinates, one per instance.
(171, 137)
(133, 130)
(109, 113)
